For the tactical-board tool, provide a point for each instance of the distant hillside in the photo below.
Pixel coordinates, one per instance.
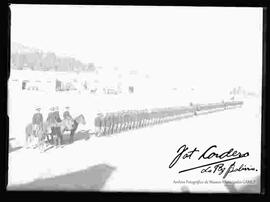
(19, 48)
(23, 57)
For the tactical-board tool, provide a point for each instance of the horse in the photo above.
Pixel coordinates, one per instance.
(29, 135)
(40, 135)
(78, 120)
(58, 128)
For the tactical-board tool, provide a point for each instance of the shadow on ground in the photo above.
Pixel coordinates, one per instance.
(80, 135)
(11, 148)
(90, 179)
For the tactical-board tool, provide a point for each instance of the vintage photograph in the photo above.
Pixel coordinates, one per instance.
(135, 98)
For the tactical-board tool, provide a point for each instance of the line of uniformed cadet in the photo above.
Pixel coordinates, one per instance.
(120, 121)
(117, 122)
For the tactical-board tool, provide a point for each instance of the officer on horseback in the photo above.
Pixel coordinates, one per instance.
(50, 117)
(52, 122)
(56, 114)
(68, 117)
(57, 129)
(37, 121)
(66, 114)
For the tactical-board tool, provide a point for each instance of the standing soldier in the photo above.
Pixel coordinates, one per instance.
(224, 104)
(153, 117)
(119, 125)
(115, 122)
(106, 124)
(121, 121)
(131, 118)
(102, 124)
(194, 108)
(136, 119)
(98, 124)
(126, 119)
(140, 119)
(112, 121)
(159, 116)
(37, 121)
(143, 118)
(147, 118)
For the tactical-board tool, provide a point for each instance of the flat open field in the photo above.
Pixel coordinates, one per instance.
(131, 161)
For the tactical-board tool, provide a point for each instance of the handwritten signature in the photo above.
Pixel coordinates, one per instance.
(214, 167)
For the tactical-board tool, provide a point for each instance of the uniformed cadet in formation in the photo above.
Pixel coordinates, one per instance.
(126, 120)
(98, 124)
(37, 120)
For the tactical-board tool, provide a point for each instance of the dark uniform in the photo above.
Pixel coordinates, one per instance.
(108, 123)
(57, 116)
(56, 130)
(122, 120)
(125, 121)
(66, 115)
(111, 123)
(37, 118)
(50, 119)
(116, 122)
(98, 124)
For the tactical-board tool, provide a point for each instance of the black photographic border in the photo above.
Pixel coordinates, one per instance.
(63, 195)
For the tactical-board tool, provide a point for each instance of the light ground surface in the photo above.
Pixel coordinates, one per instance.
(140, 157)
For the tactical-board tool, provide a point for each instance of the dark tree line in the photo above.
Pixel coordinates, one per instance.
(38, 60)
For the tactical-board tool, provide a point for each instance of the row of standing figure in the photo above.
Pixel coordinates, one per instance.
(117, 122)
(120, 121)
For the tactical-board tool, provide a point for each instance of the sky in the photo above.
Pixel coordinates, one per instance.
(213, 47)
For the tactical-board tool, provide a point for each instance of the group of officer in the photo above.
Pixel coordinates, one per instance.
(120, 121)
(52, 119)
